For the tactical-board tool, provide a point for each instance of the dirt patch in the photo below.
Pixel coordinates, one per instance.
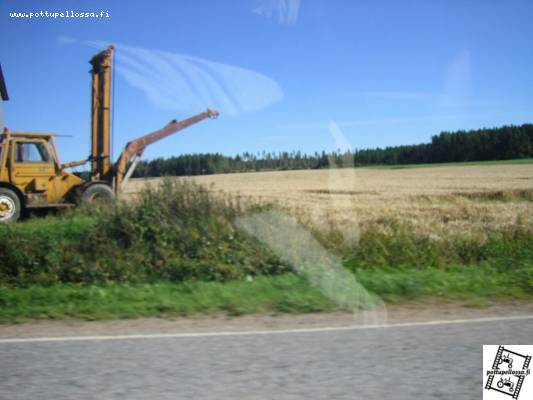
(412, 312)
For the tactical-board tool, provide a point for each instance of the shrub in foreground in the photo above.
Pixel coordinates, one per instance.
(175, 232)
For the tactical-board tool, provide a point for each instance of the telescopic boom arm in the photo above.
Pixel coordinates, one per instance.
(134, 149)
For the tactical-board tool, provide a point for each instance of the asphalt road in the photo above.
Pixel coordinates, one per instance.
(409, 362)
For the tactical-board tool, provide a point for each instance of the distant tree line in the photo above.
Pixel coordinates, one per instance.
(507, 142)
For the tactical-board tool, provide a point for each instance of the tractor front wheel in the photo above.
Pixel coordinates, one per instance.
(9, 206)
(98, 192)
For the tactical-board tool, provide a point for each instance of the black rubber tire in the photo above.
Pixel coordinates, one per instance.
(10, 206)
(97, 192)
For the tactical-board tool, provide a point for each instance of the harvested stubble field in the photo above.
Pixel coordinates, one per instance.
(440, 202)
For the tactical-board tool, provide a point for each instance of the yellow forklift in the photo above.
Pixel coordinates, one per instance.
(32, 176)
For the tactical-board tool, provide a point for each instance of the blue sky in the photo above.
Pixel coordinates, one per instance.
(307, 75)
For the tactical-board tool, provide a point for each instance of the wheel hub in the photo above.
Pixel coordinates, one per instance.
(7, 207)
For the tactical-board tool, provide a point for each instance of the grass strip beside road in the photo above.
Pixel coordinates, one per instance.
(288, 293)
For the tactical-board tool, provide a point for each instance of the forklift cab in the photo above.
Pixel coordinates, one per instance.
(29, 162)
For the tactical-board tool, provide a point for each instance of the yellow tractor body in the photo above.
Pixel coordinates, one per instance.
(32, 176)
(29, 168)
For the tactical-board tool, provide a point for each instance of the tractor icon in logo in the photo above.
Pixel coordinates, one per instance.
(506, 359)
(506, 382)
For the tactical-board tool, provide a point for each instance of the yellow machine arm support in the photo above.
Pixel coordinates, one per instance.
(135, 148)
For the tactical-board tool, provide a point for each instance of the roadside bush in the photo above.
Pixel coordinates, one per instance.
(175, 232)
(400, 245)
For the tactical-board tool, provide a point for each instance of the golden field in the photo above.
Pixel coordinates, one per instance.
(437, 201)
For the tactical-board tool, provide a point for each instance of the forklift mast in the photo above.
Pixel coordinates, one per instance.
(101, 167)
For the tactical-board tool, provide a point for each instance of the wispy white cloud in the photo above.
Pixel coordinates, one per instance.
(317, 126)
(65, 40)
(457, 81)
(402, 95)
(286, 11)
(452, 103)
(455, 92)
(450, 98)
(174, 81)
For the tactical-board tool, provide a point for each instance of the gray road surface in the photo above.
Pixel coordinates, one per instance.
(416, 362)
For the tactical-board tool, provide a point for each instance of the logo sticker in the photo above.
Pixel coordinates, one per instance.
(507, 372)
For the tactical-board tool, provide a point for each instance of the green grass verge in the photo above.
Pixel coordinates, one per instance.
(454, 164)
(285, 293)
(288, 293)
(471, 284)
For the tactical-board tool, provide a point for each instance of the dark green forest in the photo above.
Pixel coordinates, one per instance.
(504, 143)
